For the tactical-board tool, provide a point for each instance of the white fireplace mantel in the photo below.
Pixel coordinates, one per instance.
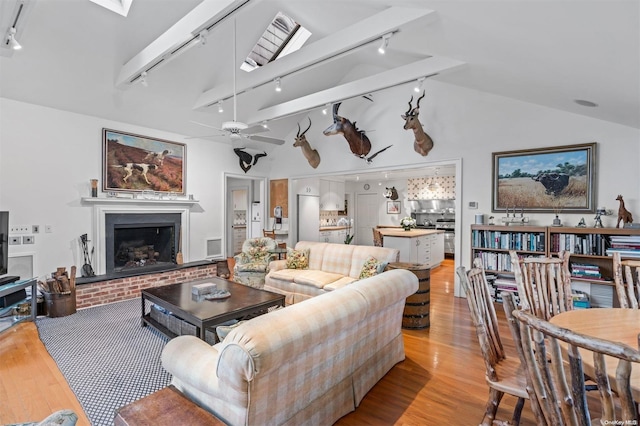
(103, 206)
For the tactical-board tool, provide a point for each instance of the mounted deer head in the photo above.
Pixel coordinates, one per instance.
(309, 153)
(358, 141)
(391, 193)
(422, 143)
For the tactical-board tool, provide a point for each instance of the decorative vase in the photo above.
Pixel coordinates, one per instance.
(407, 228)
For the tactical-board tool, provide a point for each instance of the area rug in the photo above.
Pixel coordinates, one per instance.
(105, 355)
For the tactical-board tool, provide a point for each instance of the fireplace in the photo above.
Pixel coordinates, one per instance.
(137, 242)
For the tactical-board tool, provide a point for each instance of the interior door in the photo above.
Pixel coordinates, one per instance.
(367, 206)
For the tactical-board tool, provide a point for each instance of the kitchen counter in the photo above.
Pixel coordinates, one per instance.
(333, 228)
(399, 232)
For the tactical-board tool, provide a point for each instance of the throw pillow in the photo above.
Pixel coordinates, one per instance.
(297, 259)
(371, 267)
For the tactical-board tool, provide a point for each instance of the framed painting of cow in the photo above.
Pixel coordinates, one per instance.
(554, 179)
(135, 163)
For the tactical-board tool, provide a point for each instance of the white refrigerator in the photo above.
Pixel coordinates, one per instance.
(308, 218)
(256, 220)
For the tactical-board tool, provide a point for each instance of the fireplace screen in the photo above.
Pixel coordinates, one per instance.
(137, 242)
(143, 247)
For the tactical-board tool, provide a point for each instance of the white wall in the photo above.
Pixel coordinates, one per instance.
(48, 157)
(470, 125)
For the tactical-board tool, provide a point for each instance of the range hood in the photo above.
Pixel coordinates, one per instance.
(432, 206)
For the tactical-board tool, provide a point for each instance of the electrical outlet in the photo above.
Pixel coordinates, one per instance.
(19, 229)
(48, 229)
(14, 241)
(28, 239)
(35, 229)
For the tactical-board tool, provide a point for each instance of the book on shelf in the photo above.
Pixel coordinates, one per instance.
(624, 252)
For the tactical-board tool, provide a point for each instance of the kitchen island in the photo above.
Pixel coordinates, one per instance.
(425, 246)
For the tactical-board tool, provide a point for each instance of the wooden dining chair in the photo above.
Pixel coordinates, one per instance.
(503, 374)
(272, 234)
(626, 275)
(544, 284)
(561, 394)
(377, 237)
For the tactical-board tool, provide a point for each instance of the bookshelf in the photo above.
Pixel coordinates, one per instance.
(492, 243)
(591, 249)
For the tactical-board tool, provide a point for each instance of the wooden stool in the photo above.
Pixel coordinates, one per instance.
(168, 406)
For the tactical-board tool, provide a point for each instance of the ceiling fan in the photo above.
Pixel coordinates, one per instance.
(237, 130)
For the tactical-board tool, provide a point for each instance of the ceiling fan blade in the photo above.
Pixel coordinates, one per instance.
(258, 128)
(206, 125)
(265, 139)
(206, 136)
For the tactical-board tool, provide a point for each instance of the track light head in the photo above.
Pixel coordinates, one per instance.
(220, 109)
(143, 79)
(325, 109)
(418, 86)
(11, 39)
(278, 85)
(264, 124)
(385, 43)
(202, 37)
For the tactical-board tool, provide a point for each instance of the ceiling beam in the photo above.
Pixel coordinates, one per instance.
(352, 37)
(177, 39)
(384, 80)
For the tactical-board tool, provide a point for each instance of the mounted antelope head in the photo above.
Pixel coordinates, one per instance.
(358, 141)
(422, 143)
(309, 153)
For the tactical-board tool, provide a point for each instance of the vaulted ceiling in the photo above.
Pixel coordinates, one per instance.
(75, 57)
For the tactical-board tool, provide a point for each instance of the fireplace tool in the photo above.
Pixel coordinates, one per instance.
(87, 269)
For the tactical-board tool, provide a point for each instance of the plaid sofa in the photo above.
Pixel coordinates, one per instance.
(331, 266)
(307, 364)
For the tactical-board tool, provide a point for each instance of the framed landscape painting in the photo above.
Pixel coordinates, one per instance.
(136, 163)
(555, 179)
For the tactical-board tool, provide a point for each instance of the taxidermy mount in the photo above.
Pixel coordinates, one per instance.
(358, 141)
(422, 143)
(247, 160)
(309, 153)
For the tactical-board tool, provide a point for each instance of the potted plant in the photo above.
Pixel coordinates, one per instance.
(408, 223)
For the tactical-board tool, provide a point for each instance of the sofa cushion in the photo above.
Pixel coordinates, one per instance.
(342, 282)
(362, 253)
(372, 267)
(297, 259)
(337, 259)
(316, 278)
(286, 274)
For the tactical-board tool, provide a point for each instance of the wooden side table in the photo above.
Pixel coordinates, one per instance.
(416, 309)
(167, 406)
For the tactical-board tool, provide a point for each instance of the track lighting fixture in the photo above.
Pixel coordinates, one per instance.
(220, 109)
(325, 109)
(202, 37)
(264, 124)
(278, 85)
(11, 39)
(143, 79)
(385, 43)
(418, 86)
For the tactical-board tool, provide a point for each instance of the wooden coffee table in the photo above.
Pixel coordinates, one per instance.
(203, 313)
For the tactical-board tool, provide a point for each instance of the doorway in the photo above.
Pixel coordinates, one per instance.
(244, 201)
(367, 206)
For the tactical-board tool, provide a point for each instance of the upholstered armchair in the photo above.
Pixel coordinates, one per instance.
(253, 263)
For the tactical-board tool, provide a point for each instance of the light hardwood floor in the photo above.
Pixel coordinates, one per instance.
(440, 382)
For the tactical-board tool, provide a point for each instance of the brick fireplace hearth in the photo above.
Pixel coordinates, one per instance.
(100, 290)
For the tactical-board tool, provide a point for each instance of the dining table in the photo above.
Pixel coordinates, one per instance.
(614, 324)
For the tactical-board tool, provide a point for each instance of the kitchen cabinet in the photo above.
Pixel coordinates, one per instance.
(331, 195)
(325, 236)
(240, 200)
(239, 236)
(416, 246)
(335, 236)
(279, 196)
(309, 186)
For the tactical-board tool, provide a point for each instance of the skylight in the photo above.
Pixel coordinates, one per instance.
(281, 37)
(121, 7)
